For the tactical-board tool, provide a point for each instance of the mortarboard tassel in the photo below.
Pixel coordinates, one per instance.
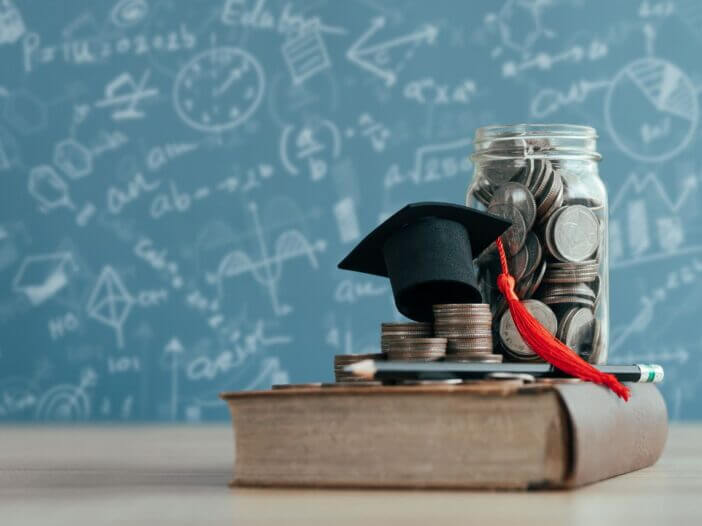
(546, 345)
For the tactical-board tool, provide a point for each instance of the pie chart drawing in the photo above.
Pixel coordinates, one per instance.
(651, 110)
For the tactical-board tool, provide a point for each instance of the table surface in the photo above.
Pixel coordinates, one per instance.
(178, 475)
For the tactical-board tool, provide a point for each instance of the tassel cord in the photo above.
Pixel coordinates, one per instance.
(544, 343)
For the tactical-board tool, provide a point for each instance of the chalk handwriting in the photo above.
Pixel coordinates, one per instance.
(118, 198)
(98, 49)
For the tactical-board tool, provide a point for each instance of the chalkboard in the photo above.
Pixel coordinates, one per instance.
(180, 178)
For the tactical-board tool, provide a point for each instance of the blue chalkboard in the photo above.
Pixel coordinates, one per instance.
(179, 178)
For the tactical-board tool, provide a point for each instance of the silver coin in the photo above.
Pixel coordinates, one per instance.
(538, 279)
(509, 335)
(493, 358)
(518, 263)
(458, 333)
(580, 331)
(552, 202)
(565, 300)
(524, 286)
(542, 179)
(550, 193)
(499, 171)
(576, 233)
(515, 236)
(518, 196)
(547, 237)
(535, 252)
(564, 322)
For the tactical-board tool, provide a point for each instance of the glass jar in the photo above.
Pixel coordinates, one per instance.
(544, 178)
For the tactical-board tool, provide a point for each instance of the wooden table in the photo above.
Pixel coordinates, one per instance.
(178, 475)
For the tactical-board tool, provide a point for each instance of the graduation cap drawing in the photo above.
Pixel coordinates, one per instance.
(41, 276)
(427, 249)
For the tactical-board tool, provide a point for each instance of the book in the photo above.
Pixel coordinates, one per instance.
(487, 435)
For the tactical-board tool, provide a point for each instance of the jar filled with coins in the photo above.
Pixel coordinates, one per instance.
(544, 178)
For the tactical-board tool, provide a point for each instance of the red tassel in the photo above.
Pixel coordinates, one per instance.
(546, 345)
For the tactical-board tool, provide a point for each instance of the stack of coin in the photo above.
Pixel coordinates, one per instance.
(554, 241)
(583, 272)
(568, 294)
(342, 360)
(416, 349)
(394, 331)
(468, 329)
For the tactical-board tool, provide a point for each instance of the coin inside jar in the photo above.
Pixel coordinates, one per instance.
(515, 236)
(576, 233)
(579, 332)
(518, 196)
(509, 335)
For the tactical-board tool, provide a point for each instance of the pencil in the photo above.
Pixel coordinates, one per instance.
(378, 370)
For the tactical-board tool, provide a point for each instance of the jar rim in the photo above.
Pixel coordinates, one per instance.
(510, 131)
(567, 141)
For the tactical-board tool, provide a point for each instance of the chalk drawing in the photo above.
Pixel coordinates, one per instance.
(350, 291)
(17, 396)
(124, 94)
(218, 89)
(267, 270)
(159, 156)
(305, 53)
(62, 325)
(110, 302)
(257, 15)
(376, 132)
(129, 13)
(74, 159)
(647, 223)
(100, 48)
(520, 26)
(376, 58)
(550, 100)
(85, 214)
(11, 23)
(428, 91)
(42, 276)
(49, 189)
(542, 61)
(314, 144)
(671, 115)
(432, 163)
(67, 402)
(347, 220)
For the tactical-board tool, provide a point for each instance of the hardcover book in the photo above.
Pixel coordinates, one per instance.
(487, 435)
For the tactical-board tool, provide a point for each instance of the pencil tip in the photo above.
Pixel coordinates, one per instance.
(364, 368)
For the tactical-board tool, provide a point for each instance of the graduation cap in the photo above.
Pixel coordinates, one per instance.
(427, 249)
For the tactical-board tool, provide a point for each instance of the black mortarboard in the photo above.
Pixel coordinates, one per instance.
(426, 249)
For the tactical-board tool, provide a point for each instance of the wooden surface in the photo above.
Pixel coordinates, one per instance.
(178, 475)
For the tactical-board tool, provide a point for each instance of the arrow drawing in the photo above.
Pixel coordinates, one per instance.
(174, 348)
(375, 58)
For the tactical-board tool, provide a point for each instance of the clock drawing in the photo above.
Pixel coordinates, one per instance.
(218, 89)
